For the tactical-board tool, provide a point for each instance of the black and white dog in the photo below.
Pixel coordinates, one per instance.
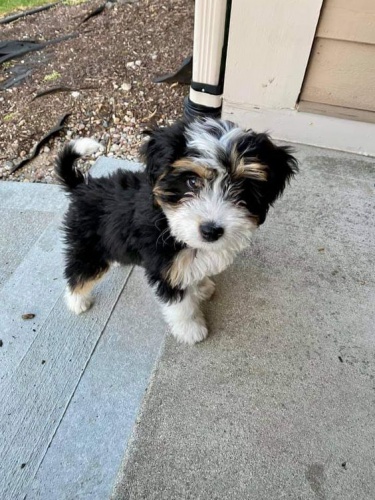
(206, 187)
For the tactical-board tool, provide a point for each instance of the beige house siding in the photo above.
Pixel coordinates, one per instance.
(340, 80)
(351, 20)
(270, 64)
(268, 50)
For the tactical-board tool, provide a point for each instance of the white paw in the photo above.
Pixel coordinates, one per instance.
(190, 332)
(206, 289)
(78, 303)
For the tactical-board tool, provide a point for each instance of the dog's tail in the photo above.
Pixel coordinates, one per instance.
(67, 174)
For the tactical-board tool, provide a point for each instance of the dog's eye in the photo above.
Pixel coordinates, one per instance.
(194, 183)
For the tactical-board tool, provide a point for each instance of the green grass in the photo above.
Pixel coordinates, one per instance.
(10, 6)
(73, 2)
(8, 118)
(52, 76)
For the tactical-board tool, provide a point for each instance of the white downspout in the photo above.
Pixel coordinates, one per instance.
(211, 24)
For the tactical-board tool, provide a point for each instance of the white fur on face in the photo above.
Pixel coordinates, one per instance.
(212, 204)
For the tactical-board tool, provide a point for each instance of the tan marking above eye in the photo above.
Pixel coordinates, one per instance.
(161, 192)
(188, 165)
(253, 170)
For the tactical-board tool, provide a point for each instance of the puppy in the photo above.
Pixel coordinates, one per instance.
(207, 186)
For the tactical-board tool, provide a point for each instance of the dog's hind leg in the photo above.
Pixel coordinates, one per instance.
(78, 293)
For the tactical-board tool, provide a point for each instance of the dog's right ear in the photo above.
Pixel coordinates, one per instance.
(164, 147)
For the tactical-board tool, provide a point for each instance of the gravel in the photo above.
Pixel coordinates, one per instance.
(109, 68)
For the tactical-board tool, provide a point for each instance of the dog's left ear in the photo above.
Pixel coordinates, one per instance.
(164, 147)
(267, 167)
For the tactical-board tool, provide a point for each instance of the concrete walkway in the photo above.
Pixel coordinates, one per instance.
(277, 403)
(70, 387)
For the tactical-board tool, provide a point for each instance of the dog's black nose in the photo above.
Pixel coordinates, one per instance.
(210, 231)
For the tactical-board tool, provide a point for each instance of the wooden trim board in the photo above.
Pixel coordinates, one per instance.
(306, 128)
(360, 115)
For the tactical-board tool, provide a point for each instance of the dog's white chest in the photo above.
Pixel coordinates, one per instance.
(208, 263)
(191, 266)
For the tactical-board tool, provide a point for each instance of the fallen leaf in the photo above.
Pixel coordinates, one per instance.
(28, 316)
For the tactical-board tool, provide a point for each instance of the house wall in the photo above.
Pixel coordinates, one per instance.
(269, 47)
(268, 50)
(341, 72)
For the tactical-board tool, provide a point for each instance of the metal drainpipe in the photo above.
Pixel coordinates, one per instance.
(211, 28)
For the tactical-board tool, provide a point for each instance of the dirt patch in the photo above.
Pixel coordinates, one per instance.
(108, 67)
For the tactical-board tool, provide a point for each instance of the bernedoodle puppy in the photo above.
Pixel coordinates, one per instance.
(206, 187)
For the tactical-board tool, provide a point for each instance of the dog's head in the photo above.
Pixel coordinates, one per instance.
(214, 181)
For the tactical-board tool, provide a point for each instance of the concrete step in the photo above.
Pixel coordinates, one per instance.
(86, 451)
(70, 386)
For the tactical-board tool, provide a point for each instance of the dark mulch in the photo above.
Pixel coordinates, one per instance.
(109, 67)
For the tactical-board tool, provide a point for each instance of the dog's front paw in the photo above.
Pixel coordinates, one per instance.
(78, 303)
(190, 332)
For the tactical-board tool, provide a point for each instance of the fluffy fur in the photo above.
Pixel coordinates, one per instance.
(207, 186)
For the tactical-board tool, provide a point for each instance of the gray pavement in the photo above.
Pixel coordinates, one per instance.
(70, 387)
(277, 403)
